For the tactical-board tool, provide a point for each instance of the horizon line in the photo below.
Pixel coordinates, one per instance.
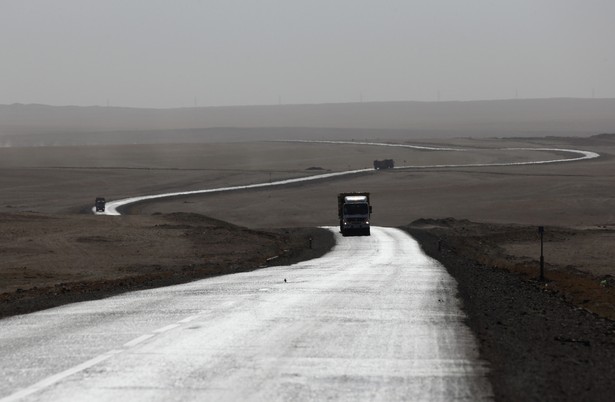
(277, 105)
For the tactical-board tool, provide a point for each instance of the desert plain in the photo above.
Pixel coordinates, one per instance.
(480, 221)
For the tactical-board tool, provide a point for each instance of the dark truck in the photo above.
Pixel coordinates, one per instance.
(384, 164)
(354, 212)
(99, 203)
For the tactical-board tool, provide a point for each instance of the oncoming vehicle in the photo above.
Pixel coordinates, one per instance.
(354, 212)
(384, 164)
(99, 203)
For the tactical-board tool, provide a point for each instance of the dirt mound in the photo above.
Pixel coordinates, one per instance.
(52, 260)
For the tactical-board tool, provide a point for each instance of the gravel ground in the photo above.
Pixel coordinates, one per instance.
(542, 345)
(48, 260)
(539, 346)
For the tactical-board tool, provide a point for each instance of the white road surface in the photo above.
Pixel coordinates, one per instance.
(375, 319)
(112, 207)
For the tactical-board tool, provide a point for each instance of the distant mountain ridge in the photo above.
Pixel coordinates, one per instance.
(514, 117)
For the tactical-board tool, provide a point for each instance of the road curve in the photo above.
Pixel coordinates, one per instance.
(112, 207)
(375, 319)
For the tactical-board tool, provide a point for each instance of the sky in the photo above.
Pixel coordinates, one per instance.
(185, 53)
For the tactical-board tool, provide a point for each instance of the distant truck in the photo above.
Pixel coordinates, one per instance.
(99, 203)
(384, 164)
(354, 212)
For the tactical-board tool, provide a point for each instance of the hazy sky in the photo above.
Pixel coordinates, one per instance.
(178, 53)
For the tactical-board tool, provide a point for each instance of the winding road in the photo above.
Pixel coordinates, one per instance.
(375, 319)
(113, 207)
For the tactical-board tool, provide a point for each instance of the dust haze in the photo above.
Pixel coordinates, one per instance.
(170, 97)
(27, 125)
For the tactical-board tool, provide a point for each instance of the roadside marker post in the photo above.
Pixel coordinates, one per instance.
(541, 231)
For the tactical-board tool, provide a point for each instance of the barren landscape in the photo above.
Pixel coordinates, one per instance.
(480, 221)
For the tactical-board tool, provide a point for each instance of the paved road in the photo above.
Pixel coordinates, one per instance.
(112, 207)
(375, 319)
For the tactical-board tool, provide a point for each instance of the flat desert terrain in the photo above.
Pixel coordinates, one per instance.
(476, 219)
(60, 183)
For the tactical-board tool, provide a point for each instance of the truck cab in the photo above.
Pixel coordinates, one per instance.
(354, 212)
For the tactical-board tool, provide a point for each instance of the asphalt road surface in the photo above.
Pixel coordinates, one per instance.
(573, 155)
(375, 319)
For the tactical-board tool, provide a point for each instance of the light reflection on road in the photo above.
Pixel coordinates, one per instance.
(112, 207)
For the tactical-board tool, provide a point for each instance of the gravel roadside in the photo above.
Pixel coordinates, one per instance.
(539, 346)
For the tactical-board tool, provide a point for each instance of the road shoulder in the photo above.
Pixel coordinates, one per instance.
(539, 346)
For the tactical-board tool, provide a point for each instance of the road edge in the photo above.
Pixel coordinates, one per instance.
(539, 347)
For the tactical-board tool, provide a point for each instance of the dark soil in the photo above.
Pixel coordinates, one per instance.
(213, 248)
(539, 345)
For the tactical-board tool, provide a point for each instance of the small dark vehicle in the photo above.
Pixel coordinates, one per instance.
(384, 164)
(100, 204)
